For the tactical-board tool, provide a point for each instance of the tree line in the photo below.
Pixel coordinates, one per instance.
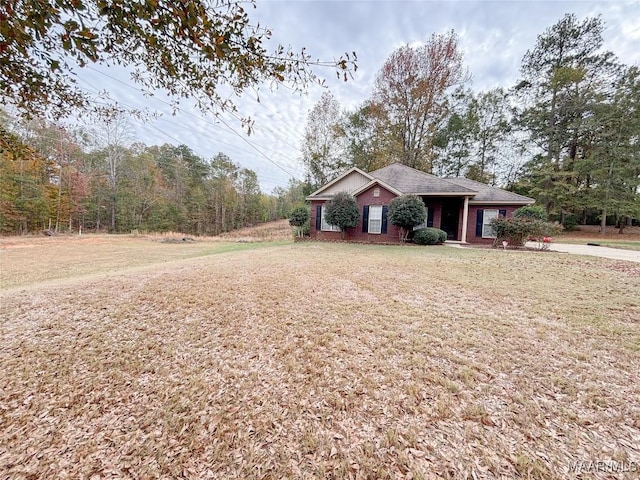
(567, 133)
(58, 180)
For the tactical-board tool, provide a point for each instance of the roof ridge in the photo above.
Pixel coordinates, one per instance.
(405, 166)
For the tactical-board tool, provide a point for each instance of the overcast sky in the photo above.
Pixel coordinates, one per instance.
(494, 36)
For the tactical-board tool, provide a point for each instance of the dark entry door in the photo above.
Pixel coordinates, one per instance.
(450, 218)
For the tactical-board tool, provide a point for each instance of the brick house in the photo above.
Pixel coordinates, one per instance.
(461, 207)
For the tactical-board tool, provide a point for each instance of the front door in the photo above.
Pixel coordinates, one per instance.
(450, 218)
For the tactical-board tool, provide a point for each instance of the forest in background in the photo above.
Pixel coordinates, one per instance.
(567, 134)
(56, 180)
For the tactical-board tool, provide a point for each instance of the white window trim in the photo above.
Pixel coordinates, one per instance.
(324, 226)
(487, 230)
(377, 220)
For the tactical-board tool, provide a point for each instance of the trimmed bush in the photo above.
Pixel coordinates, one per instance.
(534, 212)
(342, 211)
(429, 236)
(570, 222)
(406, 212)
(299, 219)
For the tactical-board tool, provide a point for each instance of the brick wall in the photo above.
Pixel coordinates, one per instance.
(365, 198)
(473, 217)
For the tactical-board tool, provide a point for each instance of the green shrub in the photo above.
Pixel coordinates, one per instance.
(429, 236)
(299, 219)
(535, 212)
(406, 212)
(517, 230)
(342, 211)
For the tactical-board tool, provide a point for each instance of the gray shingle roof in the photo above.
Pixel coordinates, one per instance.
(408, 180)
(412, 181)
(487, 193)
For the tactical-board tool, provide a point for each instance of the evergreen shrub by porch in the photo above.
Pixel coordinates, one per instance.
(406, 212)
(342, 210)
(570, 222)
(429, 236)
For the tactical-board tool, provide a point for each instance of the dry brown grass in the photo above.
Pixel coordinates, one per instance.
(271, 231)
(319, 360)
(38, 259)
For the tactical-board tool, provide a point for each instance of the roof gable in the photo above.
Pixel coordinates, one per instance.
(373, 182)
(349, 181)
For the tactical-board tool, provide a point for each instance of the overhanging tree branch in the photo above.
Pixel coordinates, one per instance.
(188, 48)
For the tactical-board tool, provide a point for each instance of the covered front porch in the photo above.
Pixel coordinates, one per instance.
(450, 214)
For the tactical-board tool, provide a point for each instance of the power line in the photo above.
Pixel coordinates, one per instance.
(215, 139)
(202, 119)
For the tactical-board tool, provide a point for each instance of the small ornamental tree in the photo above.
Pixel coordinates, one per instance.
(406, 212)
(299, 219)
(342, 211)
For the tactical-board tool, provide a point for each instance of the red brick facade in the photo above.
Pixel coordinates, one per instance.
(472, 223)
(435, 207)
(363, 199)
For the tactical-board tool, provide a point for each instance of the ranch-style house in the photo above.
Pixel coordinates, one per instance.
(461, 207)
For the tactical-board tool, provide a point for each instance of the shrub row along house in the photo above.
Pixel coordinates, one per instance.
(461, 207)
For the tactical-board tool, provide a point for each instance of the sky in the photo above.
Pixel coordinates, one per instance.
(493, 36)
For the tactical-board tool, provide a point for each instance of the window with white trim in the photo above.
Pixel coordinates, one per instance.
(324, 226)
(375, 219)
(487, 229)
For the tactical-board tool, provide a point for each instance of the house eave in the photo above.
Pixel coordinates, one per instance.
(321, 197)
(513, 202)
(443, 194)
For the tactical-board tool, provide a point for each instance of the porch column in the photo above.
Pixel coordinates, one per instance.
(465, 218)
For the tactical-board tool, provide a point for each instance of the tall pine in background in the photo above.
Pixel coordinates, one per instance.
(565, 78)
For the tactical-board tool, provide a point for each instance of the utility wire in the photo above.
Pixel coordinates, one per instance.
(215, 139)
(202, 119)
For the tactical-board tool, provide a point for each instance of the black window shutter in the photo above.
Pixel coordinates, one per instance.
(429, 217)
(365, 219)
(318, 217)
(479, 223)
(385, 209)
(502, 213)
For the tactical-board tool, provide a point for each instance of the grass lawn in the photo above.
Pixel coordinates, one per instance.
(126, 357)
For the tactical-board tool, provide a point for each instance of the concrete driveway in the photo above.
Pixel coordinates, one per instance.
(606, 252)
